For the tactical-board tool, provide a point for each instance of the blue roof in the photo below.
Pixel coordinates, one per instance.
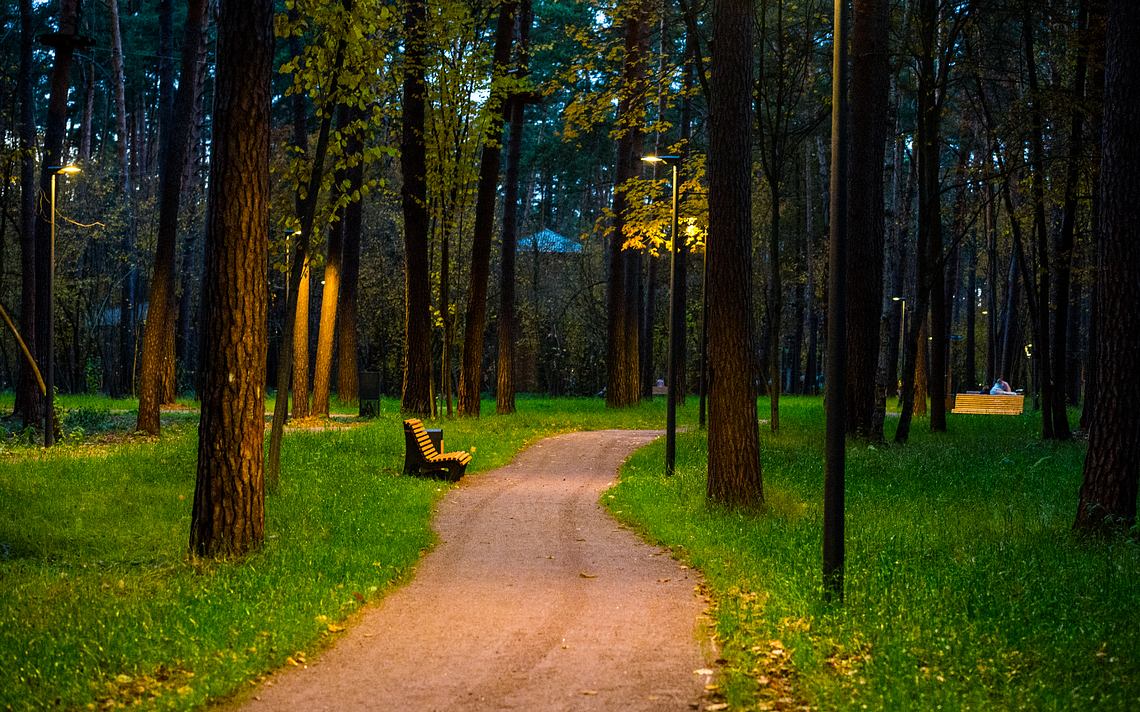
(549, 241)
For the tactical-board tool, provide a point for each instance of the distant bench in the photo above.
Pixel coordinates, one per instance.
(423, 453)
(988, 405)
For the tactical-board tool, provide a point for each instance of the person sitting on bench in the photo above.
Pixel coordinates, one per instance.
(1001, 388)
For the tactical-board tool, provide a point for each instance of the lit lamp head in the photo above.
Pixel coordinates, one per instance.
(69, 169)
(667, 160)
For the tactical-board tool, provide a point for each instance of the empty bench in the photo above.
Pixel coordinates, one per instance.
(986, 404)
(422, 456)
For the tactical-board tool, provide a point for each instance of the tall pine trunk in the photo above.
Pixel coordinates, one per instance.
(228, 517)
(471, 369)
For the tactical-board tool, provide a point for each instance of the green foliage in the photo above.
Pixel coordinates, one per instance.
(964, 586)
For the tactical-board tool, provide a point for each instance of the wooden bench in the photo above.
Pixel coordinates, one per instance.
(986, 404)
(422, 456)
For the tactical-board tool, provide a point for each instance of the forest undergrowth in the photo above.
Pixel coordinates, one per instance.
(965, 587)
(101, 605)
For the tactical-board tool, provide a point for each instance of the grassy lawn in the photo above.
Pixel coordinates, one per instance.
(965, 589)
(100, 605)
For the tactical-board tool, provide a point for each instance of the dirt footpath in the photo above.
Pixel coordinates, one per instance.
(534, 599)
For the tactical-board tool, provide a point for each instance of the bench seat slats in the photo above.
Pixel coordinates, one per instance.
(985, 404)
(421, 456)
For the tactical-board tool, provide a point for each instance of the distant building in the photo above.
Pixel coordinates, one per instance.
(549, 241)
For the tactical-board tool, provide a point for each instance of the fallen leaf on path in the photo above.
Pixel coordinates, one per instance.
(718, 706)
(291, 661)
(589, 692)
(703, 671)
(334, 628)
(663, 580)
(588, 575)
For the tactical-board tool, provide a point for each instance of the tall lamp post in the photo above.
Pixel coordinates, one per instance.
(49, 347)
(676, 326)
(902, 327)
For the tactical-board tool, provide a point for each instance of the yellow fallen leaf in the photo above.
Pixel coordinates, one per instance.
(703, 671)
(185, 690)
(123, 679)
(589, 692)
(334, 628)
(583, 575)
(664, 580)
(717, 706)
(291, 661)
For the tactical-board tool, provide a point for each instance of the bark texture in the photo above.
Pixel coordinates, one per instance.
(415, 396)
(1112, 465)
(734, 476)
(228, 518)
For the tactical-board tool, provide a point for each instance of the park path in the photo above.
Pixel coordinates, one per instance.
(534, 599)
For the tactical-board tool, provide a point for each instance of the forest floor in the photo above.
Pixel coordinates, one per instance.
(534, 598)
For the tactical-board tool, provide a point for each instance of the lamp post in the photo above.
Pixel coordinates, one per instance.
(902, 326)
(676, 326)
(49, 347)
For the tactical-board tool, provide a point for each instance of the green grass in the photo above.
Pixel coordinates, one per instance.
(965, 589)
(100, 603)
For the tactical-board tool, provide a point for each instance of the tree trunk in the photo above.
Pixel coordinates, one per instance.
(416, 393)
(51, 160)
(1065, 242)
(471, 369)
(29, 403)
(347, 385)
(1040, 227)
(922, 367)
(505, 386)
(1112, 464)
(622, 325)
(734, 476)
(228, 518)
(300, 386)
(870, 94)
(158, 340)
(330, 294)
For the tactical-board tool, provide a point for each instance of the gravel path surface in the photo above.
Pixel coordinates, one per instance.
(534, 599)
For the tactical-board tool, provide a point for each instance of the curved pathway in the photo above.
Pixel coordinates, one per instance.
(534, 599)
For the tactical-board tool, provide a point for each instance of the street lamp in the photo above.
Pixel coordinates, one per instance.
(49, 347)
(676, 327)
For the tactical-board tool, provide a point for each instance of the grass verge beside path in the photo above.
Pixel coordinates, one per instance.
(965, 589)
(100, 605)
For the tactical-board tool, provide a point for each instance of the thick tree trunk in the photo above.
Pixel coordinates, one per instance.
(734, 475)
(158, 341)
(228, 518)
(416, 391)
(870, 93)
(1112, 464)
